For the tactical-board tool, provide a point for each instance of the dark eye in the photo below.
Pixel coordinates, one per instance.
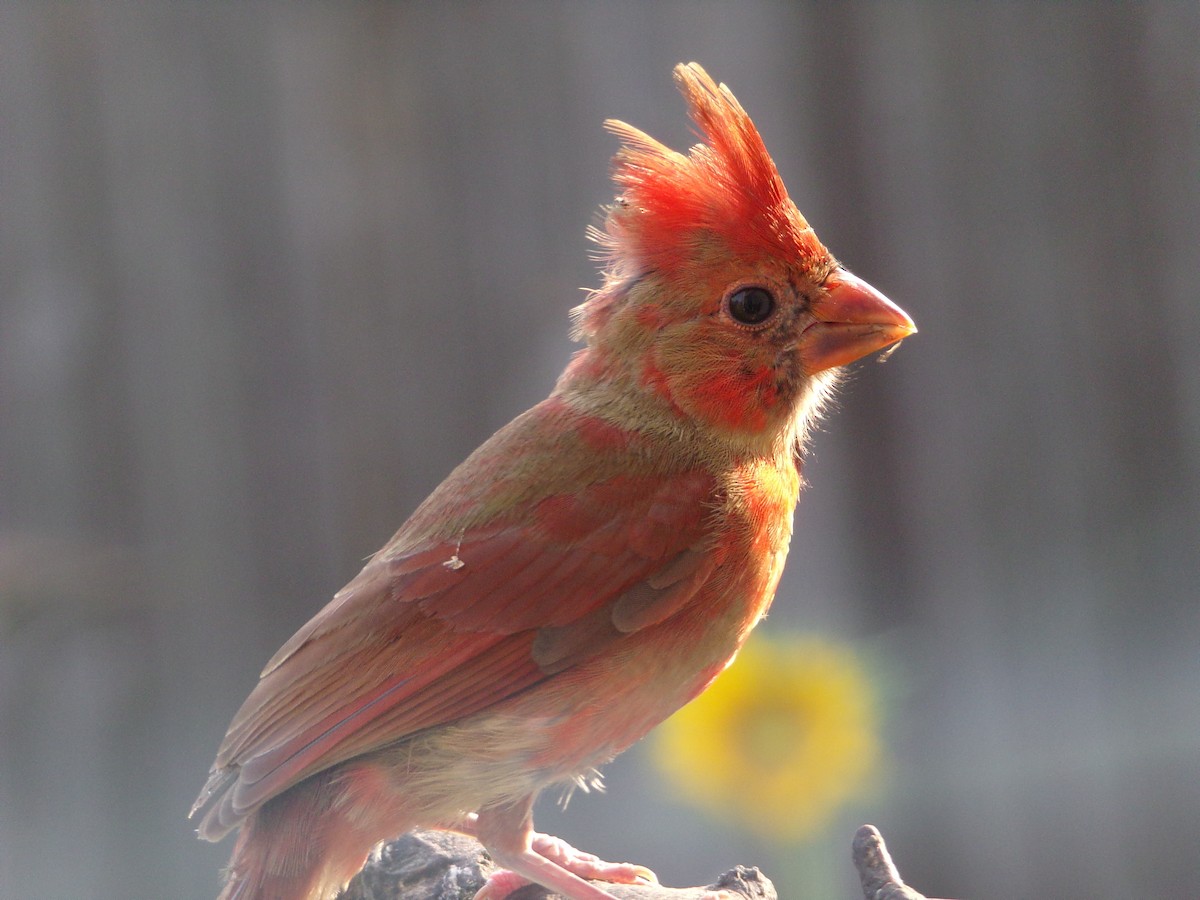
(751, 305)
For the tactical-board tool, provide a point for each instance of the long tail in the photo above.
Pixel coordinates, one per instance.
(295, 847)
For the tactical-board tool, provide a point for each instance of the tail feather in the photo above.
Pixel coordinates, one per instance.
(294, 847)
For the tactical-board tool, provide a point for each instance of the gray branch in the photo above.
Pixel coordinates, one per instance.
(440, 865)
(876, 871)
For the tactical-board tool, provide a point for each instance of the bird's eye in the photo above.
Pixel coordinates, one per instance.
(751, 305)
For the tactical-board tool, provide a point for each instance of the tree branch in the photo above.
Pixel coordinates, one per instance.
(441, 865)
(876, 871)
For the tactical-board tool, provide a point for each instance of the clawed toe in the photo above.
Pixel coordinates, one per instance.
(500, 884)
(588, 865)
(525, 856)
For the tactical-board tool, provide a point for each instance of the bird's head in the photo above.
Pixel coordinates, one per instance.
(718, 298)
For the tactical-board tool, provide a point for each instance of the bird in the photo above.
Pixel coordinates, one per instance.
(585, 572)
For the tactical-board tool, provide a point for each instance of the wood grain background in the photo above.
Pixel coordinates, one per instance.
(268, 271)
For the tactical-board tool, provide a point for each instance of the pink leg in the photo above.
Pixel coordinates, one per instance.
(525, 856)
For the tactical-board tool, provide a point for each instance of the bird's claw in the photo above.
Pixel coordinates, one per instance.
(500, 884)
(562, 858)
(588, 865)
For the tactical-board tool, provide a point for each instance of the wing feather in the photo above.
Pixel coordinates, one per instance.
(434, 632)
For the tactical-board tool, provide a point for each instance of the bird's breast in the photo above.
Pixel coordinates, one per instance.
(610, 702)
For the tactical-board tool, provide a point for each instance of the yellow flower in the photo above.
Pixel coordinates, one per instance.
(781, 740)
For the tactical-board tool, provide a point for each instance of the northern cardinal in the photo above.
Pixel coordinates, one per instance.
(590, 568)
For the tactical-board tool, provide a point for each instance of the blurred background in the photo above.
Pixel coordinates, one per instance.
(269, 271)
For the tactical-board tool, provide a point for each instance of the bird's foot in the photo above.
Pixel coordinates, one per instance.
(554, 864)
(587, 865)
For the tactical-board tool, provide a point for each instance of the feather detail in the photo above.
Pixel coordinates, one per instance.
(412, 643)
(725, 191)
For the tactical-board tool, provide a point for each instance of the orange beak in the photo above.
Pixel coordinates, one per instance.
(852, 320)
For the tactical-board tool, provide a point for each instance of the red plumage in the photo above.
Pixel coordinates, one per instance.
(585, 572)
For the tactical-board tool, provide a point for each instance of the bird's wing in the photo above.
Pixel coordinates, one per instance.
(430, 634)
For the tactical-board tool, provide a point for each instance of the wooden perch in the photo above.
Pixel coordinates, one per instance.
(876, 871)
(440, 865)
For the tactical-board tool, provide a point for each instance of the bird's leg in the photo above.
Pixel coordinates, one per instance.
(526, 856)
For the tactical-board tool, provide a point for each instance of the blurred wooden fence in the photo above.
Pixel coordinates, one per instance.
(268, 271)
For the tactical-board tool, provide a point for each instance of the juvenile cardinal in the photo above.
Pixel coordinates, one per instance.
(589, 569)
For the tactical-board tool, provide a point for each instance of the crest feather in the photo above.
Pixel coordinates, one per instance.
(725, 189)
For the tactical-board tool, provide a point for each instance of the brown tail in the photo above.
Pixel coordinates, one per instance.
(295, 847)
